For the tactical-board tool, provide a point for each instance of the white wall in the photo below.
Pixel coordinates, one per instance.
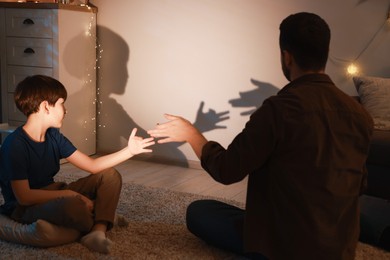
(169, 56)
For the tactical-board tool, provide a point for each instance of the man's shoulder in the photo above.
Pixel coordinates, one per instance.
(272, 106)
(279, 100)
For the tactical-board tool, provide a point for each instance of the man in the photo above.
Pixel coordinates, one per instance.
(304, 152)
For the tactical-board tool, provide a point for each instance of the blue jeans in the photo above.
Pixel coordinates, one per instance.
(219, 224)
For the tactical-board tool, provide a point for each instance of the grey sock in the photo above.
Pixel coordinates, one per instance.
(97, 241)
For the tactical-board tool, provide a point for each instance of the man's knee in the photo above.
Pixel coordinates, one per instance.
(195, 214)
(199, 207)
(194, 208)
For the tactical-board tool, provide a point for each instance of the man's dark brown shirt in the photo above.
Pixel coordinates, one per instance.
(304, 151)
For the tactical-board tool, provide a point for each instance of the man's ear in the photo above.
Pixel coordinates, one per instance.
(287, 58)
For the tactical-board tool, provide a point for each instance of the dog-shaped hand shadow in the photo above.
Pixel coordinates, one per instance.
(254, 98)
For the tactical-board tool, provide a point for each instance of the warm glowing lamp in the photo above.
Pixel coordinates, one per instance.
(352, 69)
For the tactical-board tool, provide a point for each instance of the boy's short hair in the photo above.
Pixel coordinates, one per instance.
(31, 91)
(306, 36)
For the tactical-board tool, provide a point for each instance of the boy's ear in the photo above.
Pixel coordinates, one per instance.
(44, 106)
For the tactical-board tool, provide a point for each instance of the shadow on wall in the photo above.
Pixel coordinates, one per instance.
(114, 123)
(254, 98)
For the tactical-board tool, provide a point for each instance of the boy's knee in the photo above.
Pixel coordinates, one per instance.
(112, 175)
(77, 214)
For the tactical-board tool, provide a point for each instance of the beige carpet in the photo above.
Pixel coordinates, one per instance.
(156, 231)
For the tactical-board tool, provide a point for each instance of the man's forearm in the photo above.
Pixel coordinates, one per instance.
(197, 141)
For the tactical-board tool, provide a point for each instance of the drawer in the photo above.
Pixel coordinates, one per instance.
(16, 74)
(14, 113)
(30, 52)
(29, 22)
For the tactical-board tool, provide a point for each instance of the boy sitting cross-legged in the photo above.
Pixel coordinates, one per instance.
(30, 158)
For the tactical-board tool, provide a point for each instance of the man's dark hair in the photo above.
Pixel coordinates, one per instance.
(31, 91)
(306, 37)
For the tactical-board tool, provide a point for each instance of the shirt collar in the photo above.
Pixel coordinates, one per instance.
(312, 77)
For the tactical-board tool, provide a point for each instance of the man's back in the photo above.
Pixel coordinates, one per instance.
(304, 203)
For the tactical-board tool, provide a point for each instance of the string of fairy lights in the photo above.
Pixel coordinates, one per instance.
(91, 32)
(353, 68)
(91, 71)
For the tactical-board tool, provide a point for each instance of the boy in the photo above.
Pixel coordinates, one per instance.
(29, 159)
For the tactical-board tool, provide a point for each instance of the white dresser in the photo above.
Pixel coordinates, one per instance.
(55, 40)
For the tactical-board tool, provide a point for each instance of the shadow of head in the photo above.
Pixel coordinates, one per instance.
(112, 54)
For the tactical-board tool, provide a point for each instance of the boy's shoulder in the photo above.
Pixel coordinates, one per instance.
(17, 134)
(54, 134)
(53, 131)
(14, 141)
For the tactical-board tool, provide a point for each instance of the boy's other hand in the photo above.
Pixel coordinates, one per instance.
(89, 203)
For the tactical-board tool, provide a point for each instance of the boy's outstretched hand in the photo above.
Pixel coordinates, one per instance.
(138, 144)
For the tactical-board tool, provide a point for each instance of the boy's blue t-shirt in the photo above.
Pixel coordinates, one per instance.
(22, 158)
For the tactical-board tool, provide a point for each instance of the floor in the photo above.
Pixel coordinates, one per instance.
(175, 178)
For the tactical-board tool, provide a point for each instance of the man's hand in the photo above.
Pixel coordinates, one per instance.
(177, 129)
(137, 144)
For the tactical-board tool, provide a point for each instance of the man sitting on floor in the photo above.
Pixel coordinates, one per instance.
(304, 151)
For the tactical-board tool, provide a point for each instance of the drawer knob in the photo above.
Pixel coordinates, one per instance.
(28, 21)
(29, 50)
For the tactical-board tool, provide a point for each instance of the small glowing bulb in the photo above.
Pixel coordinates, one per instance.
(352, 69)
